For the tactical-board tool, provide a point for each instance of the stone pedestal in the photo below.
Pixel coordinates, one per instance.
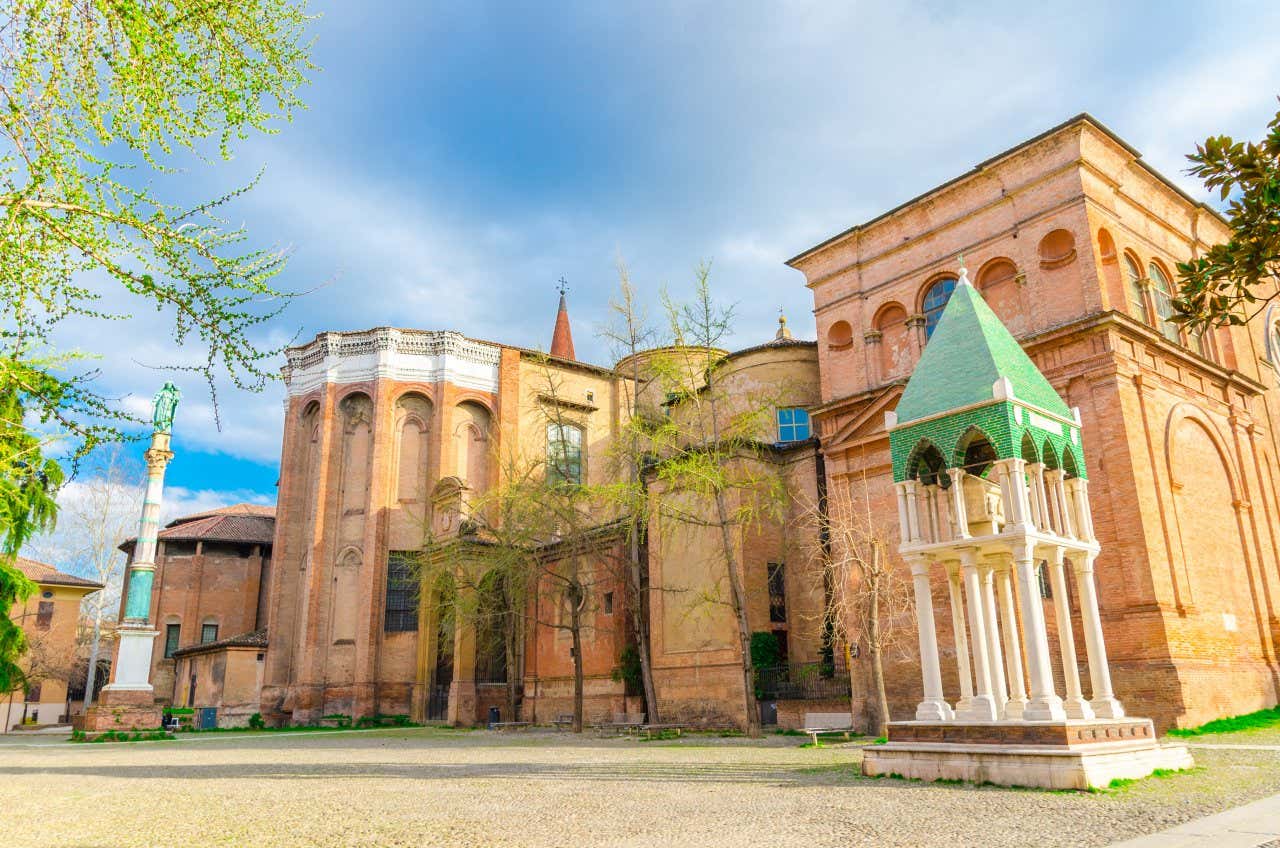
(123, 709)
(1068, 754)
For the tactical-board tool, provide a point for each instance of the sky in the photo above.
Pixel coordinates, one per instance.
(456, 160)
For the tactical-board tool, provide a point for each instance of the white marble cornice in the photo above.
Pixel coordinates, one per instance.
(427, 356)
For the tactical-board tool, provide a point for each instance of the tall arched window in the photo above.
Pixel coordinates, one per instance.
(1163, 297)
(935, 300)
(564, 453)
(1133, 285)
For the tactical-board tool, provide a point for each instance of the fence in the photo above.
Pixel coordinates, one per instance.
(817, 681)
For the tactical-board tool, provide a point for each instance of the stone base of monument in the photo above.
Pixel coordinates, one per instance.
(1072, 754)
(124, 709)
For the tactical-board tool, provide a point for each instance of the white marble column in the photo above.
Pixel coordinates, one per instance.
(960, 631)
(1074, 702)
(999, 687)
(982, 707)
(1078, 492)
(904, 519)
(960, 515)
(1104, 701)
(1044, 704)
(911, 487)
(1014, 484)
(1040, 503)
(1058, 495)
(1012, 653)
(933, 707)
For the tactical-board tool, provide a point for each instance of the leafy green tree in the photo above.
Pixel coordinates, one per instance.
(1233, 282)
(103, 99)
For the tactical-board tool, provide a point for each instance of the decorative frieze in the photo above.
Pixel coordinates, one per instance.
(425, 356)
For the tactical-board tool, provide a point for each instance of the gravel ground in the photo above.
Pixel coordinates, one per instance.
(441, 787)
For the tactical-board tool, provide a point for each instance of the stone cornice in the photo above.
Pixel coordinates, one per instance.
(427, 356)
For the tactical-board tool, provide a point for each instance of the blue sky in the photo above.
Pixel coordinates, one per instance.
(455, 161)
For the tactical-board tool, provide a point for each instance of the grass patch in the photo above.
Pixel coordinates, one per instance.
(1260, 720)
(880, 740)
(1125, 782)
(121, 736)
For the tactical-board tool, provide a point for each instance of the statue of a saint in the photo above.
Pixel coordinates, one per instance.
(166, 404)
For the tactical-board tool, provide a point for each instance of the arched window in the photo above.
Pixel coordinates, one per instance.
(1133, 285)
(564, 453)
(1163, 297)
(935, 300)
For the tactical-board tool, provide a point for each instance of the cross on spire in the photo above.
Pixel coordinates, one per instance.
(563, 288)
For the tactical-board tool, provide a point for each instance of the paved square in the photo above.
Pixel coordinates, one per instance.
(445, 787)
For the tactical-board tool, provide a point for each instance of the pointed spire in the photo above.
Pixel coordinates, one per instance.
(784, 332)
(562, 338)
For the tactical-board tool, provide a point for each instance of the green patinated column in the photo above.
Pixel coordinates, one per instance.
(133, 661)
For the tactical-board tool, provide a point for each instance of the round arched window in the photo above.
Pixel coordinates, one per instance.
(1162, 294)
(935, 300)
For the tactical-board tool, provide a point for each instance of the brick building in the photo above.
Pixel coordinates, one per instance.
(212, 573)
(50, 618)
(1073, 240)
(391, 437)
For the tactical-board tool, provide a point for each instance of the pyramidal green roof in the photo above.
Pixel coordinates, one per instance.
(970, 350)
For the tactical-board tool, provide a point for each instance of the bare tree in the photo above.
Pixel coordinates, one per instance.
(537, 538)
(710, 450)
(630, 335)
(869, 601)
(97, 511)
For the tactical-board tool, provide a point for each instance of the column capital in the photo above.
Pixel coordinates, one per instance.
(919, 565)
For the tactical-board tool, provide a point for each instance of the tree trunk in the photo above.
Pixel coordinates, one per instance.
(92, 676)
(877, 664)
(738, 595)
(640, 621)
(575, 621)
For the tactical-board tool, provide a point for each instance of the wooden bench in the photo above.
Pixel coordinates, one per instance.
(622, 723)
(508, 725)
(651, 730)
(563, 720)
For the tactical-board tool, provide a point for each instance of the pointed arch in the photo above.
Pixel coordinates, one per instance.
(974, 451)
(1070, 464)
(928, 464)
(1049, 456)
(1030, 453)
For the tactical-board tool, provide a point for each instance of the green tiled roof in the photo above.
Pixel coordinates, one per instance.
(969, 350)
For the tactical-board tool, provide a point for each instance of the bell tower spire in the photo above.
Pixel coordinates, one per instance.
(562, 337)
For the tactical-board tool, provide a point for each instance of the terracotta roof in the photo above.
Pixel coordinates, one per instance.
(247, 523)
(254, 639)
(46, 574)
(235, 509)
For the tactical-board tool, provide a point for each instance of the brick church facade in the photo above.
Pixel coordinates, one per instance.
(391, 435)
(1072, 240)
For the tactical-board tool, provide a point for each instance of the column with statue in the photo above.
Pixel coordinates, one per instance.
(128, 702)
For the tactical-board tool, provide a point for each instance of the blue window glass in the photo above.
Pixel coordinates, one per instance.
(935, 300)
(793, 424)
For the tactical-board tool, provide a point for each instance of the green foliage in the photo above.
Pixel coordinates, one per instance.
(765, 651)
(28, 485)
(1232, 282)
(1125, 782)
(256, 722)
(99, 101)
(121, 736)
(1260, 720)
(628, 671)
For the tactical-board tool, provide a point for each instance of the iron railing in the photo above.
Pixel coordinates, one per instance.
(803, 682)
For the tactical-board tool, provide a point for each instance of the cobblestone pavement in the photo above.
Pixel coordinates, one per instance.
(441, 787)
